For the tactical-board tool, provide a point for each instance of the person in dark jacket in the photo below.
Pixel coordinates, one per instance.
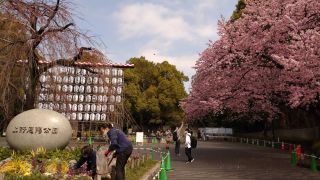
(88, 155)
(119, 143)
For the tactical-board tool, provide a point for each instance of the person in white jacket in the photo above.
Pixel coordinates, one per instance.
(188, 146)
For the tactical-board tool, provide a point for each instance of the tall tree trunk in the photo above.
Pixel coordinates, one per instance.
(33, 77)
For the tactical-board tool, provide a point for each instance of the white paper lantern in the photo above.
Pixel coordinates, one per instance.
(98, 109)
(119, 80)
(105, 98)
(107, 72)
(69, 107)
(80, 107)
(112, 99)
(95, 80)
(71, 70)
(76, 88)
(100, 98)
(92, 116)
(120, 72)
(118, 99)
(64, 88)
(83, 71)
(114, 72)
(101, 90)
(97, 118)
(81, 98)
(59, 79)
(58, 87)
(62, 69)
(93, 107)
(114, 80)
(104, 108)
(94, 98)
(69, 97)
(56, 107)
(87, 107)
(78, 71)
(79, 116)
(74, 107)
(95, 89)
(43, 78)
(83, 80)
(86, 117)
(70, 88)
(73, 116)
(57, 97)
(100, 81)
(106, 80)
(75, 98)
(54, 78)
(64, 107)
(88, 89)
(119, 90)
(89, 80)
(51, 105)
(77, 80)
(71, 79)
(65, 79)
(111, 108)
(88, 98)
(103, 117)
(81, 89)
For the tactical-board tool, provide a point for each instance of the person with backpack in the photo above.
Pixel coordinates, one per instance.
(188, 146)
(176, 139)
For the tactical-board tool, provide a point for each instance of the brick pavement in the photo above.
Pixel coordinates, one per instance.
(224, 160)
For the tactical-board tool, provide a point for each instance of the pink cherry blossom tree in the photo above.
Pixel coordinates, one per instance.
(269, 56)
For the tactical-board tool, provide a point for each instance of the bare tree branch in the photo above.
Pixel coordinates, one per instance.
(42, 29)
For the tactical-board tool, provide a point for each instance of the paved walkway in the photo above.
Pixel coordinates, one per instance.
(224, 160)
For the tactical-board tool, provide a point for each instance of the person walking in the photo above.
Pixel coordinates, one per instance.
(120, 143)
(177, 140)
(188, 152)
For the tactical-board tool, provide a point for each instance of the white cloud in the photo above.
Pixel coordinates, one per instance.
(183, 63)
(138, 20)
(207, 31)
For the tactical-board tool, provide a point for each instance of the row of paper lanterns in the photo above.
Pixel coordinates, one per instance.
(80, 98)
(77, 107)
(78, 71)
(85, 116)
(79, 79)
(85, 89)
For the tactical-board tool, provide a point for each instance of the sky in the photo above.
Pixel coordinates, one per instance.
(176, 31)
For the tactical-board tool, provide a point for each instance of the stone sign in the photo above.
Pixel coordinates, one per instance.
(39, 128)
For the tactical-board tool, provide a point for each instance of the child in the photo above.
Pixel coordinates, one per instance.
(88, 155)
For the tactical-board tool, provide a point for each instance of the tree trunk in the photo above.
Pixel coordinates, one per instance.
(33, 75)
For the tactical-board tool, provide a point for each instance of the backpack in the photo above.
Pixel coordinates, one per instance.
(193, 142)
(175, 136)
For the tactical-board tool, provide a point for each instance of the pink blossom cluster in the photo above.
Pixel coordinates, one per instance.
(270, 56)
